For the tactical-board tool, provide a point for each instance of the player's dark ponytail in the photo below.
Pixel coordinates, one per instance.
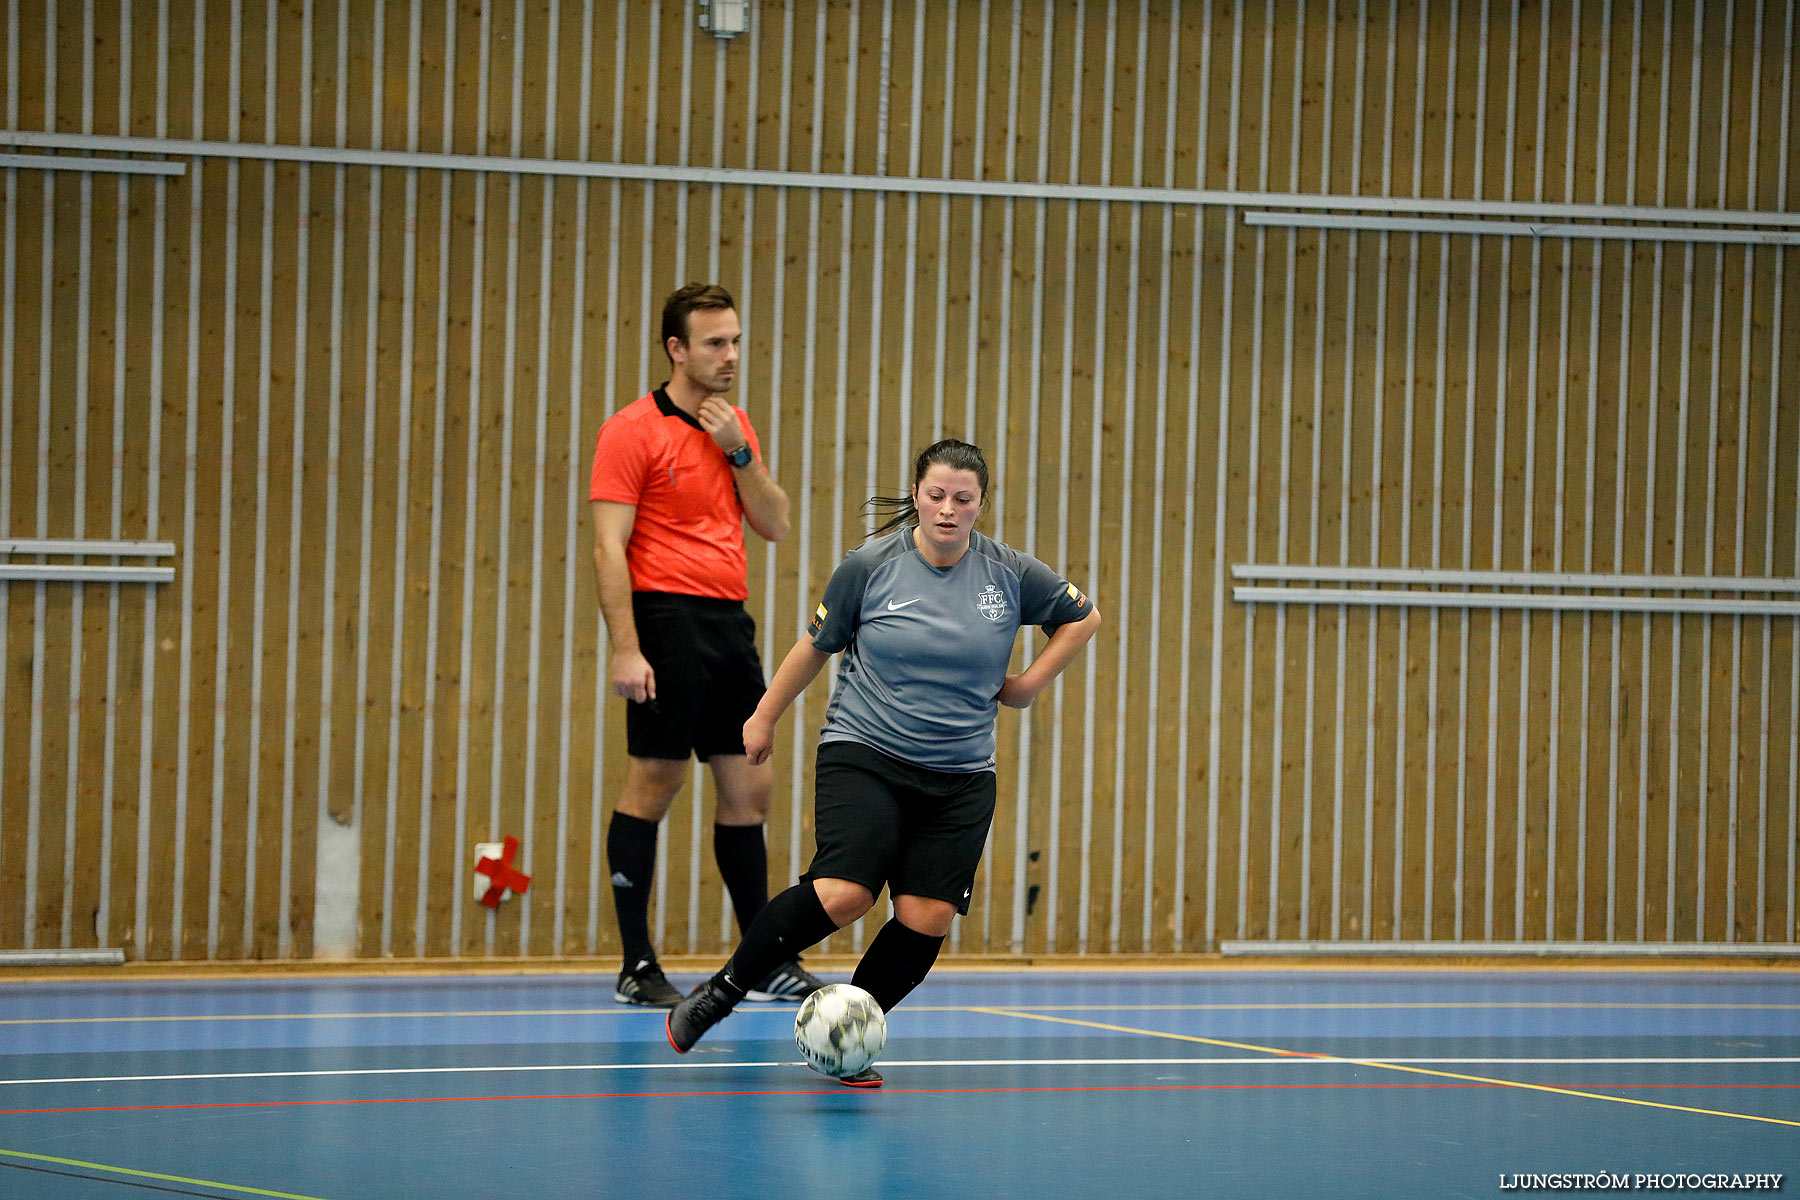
(958, 456)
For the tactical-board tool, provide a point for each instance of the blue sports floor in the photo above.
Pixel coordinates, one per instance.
(1228, 1082)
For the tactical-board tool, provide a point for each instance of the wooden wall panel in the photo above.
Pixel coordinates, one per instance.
(362, 400)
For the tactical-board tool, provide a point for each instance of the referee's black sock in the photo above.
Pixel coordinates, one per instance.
(895, 963)
(631, 857)
(788, 924)
(744, 865)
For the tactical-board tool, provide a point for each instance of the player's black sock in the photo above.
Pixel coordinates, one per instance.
(895, 963)
(631, 857)
(744, 865)
(788, 924)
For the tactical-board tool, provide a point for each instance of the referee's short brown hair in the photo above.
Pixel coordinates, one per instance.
(684, 301)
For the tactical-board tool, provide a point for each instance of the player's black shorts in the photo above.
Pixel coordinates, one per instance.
(708, 677)
(879, 820)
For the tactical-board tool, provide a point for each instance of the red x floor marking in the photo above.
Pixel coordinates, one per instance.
(503, 873)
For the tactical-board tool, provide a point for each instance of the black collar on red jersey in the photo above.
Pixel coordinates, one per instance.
(669, 408)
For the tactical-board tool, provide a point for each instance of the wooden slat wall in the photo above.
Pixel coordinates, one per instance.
(362, 402)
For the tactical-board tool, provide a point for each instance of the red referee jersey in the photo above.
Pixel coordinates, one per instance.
(689, 534)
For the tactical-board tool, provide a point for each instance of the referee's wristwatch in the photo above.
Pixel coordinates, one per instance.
(741, 457)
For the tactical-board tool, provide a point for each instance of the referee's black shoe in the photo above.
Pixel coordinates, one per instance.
(789, 983)
(644, 983)
(698, 1012)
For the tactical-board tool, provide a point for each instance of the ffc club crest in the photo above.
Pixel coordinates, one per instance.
(991, 602)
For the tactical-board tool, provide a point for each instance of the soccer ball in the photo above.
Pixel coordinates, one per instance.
(840, 1030)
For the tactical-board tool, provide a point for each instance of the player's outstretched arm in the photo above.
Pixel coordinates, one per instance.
(1020, 690)
(799, 668)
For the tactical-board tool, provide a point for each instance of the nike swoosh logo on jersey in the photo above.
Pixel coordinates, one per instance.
(892, 607)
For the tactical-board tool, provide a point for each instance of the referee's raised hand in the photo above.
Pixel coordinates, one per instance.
(720, 419)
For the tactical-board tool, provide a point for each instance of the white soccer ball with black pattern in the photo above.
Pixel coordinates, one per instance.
(840, 1030)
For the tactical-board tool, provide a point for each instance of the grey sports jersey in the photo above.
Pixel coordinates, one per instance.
(926, 650)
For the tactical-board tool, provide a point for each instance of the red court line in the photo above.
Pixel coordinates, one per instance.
(1168, 1087)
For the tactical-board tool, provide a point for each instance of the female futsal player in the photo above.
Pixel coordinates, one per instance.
(926, 612)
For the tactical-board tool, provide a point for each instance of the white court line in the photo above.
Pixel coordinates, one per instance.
(1290, 1059)
(1249, 1006)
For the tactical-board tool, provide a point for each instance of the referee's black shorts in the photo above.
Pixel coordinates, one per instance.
(708, 677)
(879, 820)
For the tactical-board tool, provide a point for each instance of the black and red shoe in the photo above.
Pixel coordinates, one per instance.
(698, 1012)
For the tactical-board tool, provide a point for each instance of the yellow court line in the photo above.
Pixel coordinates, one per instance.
(338, 1016)
(1179, 1037)
(615, 1011)
(1386, 1066)
(212, 1183)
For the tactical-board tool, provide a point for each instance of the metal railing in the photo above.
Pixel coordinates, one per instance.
(1544, 590)
(83, 572)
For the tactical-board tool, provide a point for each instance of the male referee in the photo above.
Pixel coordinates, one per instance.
(676, 475)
